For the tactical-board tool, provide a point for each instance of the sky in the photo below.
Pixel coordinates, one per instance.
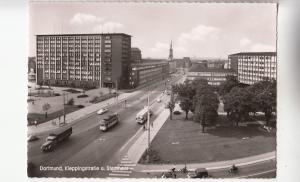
(196, 29)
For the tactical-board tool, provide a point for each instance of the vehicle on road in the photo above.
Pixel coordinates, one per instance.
(141, 116)
(56, 137)
(177, 112)
(32, 138)
(198, 173)
(108, 122)
(158, 100)
(102, 111)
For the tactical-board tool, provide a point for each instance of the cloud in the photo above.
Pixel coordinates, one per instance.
(199, 33)
(244, 42)
(262, 48)
(108, 27)
(83, 19)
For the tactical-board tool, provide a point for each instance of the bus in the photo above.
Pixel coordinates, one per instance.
(141, 116)
(108, 122)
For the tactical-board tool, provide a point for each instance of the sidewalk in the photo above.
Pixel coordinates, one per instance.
(136, 151)
(210, 165)
(75, 116)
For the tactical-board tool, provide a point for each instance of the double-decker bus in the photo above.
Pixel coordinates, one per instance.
(108, 122)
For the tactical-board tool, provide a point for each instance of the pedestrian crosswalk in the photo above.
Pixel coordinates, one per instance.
(125, 163)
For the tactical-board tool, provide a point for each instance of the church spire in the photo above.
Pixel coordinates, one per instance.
(171, 52)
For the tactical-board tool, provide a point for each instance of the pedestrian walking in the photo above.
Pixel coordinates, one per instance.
(35, 123)
(144, 127)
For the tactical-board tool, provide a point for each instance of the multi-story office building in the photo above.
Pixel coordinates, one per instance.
(148, 71)
(83, 60)
(213, 76)
(136, 54)
(254, 66)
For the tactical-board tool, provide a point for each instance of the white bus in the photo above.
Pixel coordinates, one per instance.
(108, 122)
(141, 116)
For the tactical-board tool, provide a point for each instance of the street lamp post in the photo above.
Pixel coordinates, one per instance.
(148, 119)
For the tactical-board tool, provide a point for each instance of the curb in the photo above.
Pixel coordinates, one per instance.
(219, 167)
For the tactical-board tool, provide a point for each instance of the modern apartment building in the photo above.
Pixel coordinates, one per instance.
(254, 66)
(148, 71)
(83, 60)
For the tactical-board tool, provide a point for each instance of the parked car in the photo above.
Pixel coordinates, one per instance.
(176, 112)
(199, 173)
(32, 138)
(102, 111)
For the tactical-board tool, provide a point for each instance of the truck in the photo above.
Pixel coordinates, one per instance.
(108, 122)
(56, 137)
(141, 116)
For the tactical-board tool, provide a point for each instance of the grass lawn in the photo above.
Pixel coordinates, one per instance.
(182, 141)
(40, 118)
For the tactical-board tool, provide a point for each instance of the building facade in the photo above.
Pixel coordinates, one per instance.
(83, 60)
(136, 55)
(148, 72)
(214, 76)
(254, 66)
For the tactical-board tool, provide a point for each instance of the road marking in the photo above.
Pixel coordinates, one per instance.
(116, 174)
(121, 171)
(255, 174)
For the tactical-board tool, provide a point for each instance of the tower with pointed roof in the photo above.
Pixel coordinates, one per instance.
(171, 52)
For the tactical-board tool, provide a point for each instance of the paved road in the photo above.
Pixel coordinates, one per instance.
(88, 146)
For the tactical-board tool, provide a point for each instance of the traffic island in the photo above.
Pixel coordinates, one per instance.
(181, 141)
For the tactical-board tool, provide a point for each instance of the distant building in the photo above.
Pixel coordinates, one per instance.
(182, 65)
(136, 55)
(31, 64)
(84, 60)
(254, 66)
(215, 65)
(214, 76)
(148, 71)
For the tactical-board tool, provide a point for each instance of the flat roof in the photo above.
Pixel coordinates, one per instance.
(254, 54)
(84, 34)
(219, 70)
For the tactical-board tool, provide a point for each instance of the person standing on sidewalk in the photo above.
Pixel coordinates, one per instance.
(35, 123)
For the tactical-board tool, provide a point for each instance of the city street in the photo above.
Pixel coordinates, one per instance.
(88, 146)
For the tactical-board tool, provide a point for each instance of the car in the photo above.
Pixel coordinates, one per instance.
(199, 173)
(32, 138)
(176, 112)
(158, 100)
(102, 111)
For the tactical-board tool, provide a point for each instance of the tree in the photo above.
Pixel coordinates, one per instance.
(45, 108)
(265, 97)
(237, 104)
(231, 82)
(206, 106)
(185, 94)
(171, 105)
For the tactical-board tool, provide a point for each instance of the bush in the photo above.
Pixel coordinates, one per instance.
(82, 96)
(71, 102)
